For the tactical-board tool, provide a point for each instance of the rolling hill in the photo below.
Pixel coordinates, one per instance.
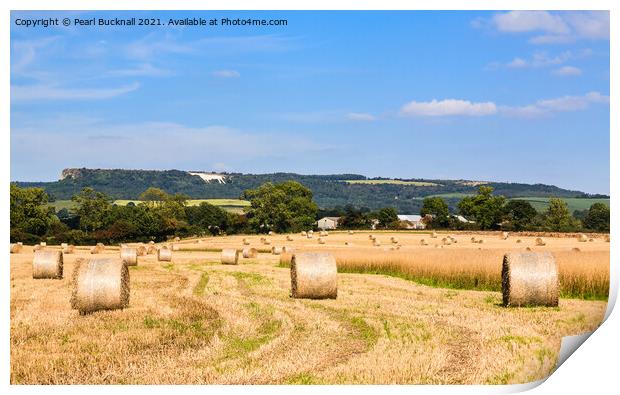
(334, 190)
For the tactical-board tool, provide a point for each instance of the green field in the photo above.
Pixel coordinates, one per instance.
(233, 205)
(396, 182)
(541, 203)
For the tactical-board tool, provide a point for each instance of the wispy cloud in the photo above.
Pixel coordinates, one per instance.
(560, 104)
(541, 59)
(567, 71)
(553, 27)
(141, 70)
(447, 107)
(455, 107)
(51, 92)
(359, 116)
(226, 74)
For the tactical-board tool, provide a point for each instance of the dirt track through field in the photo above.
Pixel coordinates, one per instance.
(195, 321)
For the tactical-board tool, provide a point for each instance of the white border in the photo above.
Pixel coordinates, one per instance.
(593, 367)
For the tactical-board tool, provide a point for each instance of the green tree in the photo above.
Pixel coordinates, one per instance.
(93, 208)
(388, 218)
(558, 218)
(520, 214)
(153, 197)
(207, 217)
(598, 217)
(437, 208)
(283, 207)
(354, 218)
(484, 208)
(30, 212)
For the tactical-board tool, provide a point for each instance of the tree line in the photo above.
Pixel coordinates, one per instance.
(281, 207)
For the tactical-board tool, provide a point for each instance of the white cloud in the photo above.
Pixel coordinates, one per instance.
(448, 107)
(567, 71)
(51, 92)
(560, 104)
(517, 63)
(358, 116)
(527, 21)
(226, 74)
(554, 28)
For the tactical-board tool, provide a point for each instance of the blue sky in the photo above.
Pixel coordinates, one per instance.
(504, 96)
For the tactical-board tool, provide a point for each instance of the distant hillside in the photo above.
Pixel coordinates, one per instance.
(329, 190)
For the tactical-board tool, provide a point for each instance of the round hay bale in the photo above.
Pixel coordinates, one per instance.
(69, 249)
(285, 258)
(540, 241)
(250, 252)
(289, 238)
(100, 284)
(530, 279)
(230, 256)
(309, 235)
(153, 243)
(314, 276)
(164, 254)
(177, 239)
(47, 264)
(63, 245)
(15, 248)
(267, 242)
(246, 242)
(446, 241)
(100, 245)
(303, 233)
(37, 247)
(371, 237)
(394, 240)
(473, 240)
(583, 238)
(95, 250)
(350, 232)
(346, 243)
(271, 233)
(276, 250)
(576, 249)
(590, 240)
(151, 250)
(504, 235)
(433, 235)
(43, 244)
(129, 256)
(321, 241)
(141, 250)
(481, 241)
(423, 242)
(518, 240)
(528, 249)
(311, 232)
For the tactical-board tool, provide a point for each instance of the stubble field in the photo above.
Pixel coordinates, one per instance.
(194, 321)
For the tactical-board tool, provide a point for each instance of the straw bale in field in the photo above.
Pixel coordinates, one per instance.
(289, 238)
(100, 284)
(250, 252)
(504, 235)
(540, 241)
(583, 238)
(246, 242)
(47, 264)
(164, 254)
(15, 248)
(309, 235)
(151, 250)
(230, 256)
(276, 250)
(530, 279)
(433, 235)
(314, 276)
(141, 250)
(320, 240)
(129, 256)
(43, 244)
(303, 233)
(68, 249)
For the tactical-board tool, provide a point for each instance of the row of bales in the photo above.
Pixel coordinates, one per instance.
(528, 278)
(98, 283)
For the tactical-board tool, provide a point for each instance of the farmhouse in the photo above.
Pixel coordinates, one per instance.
(328, 223)
(412, 221)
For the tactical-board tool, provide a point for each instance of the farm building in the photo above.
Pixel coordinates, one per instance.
(412, 221)
(328, 223)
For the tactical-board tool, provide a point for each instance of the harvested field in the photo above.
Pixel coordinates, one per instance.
(195, 321)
